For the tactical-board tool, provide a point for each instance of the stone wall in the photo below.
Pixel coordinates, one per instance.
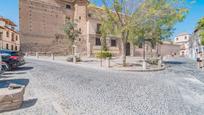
(40, 21)
(11, 99)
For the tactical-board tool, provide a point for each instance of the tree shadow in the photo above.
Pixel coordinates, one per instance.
(5, 83)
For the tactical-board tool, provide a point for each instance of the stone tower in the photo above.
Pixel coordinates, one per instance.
(80, 15)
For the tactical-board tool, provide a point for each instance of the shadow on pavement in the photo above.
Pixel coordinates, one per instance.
(174, 62)
(12, 73)
(29, 103)
(24, 68)
(5, 83)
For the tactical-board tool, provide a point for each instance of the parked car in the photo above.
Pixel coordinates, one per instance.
(13, 59)
(4, 67)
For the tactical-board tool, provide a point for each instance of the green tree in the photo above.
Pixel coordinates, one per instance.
(155, 19)
(200, 27)
(118, 13)
(137, 21)
(71, 31)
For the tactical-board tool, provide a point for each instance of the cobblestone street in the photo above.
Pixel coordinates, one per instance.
(57, 88)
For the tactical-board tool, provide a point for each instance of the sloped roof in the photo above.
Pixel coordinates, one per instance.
(7, 21)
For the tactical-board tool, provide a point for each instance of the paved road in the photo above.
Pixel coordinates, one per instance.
(64, 89)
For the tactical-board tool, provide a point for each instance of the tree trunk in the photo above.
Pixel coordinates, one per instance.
(124, 43)
(144, 52)
(103, 43)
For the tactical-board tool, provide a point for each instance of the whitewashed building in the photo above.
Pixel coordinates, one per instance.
(183, 40)
(195, 45)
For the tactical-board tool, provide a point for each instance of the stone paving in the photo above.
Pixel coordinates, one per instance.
(63, 89)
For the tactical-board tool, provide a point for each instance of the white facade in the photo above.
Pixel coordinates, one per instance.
(195, 45)
(183, 40)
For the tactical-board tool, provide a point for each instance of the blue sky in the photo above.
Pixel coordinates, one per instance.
(10, 10)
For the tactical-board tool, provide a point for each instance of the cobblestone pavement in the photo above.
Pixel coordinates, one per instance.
(63, 89)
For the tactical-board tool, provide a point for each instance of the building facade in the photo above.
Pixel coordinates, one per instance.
(9, 37)
(195, 45)
(183, 40)
(42, 22)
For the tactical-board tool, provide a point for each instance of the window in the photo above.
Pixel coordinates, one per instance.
(7, 46)
(1, 35)
(68, 6)
(98, 42)
(12, 37)
(79, 17)
(11, 47)
(113, 43)
(16, 38)
(16, 48)
(7, 34)
(98, 28)
(80, 29)
(185, 37)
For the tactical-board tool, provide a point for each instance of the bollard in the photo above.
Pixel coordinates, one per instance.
(52, 56)
(144, 65)
(37, 55)
(108, 62)
(159, 63)
(74, 59)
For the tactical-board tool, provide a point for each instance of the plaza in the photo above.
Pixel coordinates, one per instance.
(63, 89)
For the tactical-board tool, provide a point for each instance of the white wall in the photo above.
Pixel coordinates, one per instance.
(2, 23)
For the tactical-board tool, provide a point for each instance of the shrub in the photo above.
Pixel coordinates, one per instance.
(152, 61)
(104, 54)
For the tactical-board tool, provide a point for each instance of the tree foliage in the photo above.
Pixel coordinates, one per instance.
(200, 27)
(139, 20)
(155, 19)
(71, 31)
